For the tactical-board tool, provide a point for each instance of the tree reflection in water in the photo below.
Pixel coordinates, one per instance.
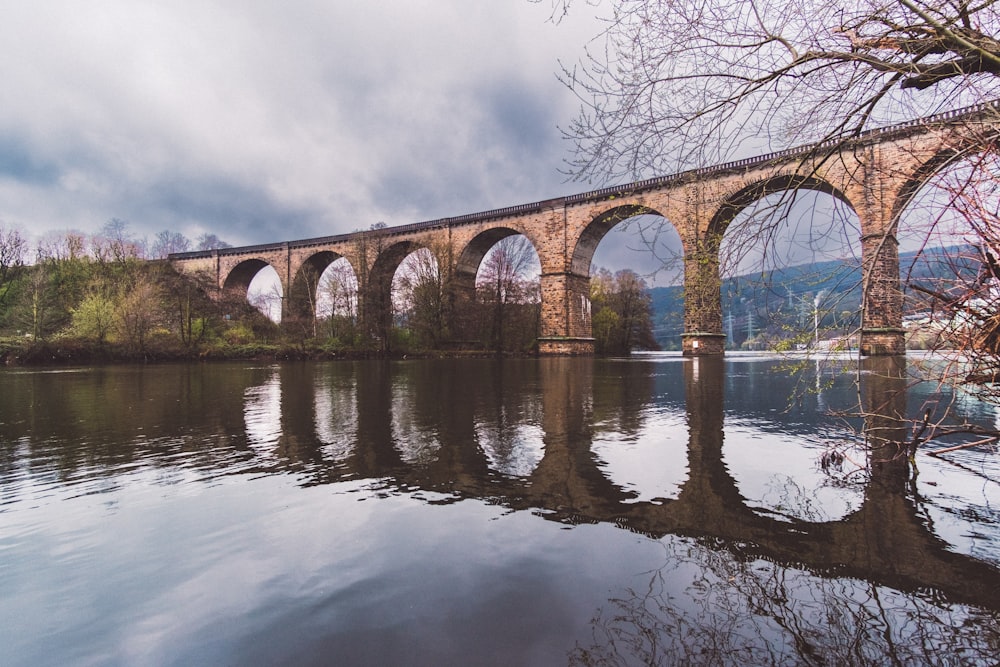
(691, 613)
(335, 409)
(875, 588)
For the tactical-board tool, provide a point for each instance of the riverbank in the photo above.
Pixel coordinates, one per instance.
(70, 352)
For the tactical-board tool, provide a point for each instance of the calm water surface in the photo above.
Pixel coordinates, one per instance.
(527, 512)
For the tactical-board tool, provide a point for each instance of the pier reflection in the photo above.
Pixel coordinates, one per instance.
(528, 435)
(522, 435)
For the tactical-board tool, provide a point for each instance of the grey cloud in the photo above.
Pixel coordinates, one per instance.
(523, 117)
(20, 163)
(236, 213)
(272, 122)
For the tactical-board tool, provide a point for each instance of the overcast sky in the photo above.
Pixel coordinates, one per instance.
(268, 121)
(264, 121)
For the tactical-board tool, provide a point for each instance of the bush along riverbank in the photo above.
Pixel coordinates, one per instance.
(75, 352)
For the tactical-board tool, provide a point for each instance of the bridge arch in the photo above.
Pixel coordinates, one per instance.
(241, 275)
(937, 220)
(240, 279)
(591, 236)
(304, 293)
(262, 285)
(472, 255)
(704, 257)
(377, 289)
(566, 326)
(390, 257)
(748, 195)
(920, 177)
(466, 329)
(959, 148)
(384, 268)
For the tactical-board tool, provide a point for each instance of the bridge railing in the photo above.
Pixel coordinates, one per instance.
(797, 151)
(602, 193)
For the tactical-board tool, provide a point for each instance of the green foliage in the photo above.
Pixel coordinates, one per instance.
(606, 324)
(93, 318)
(239, 333)
(405, 340)
(342, 328)
(99, 299)
(621, 313)
(137, 313)
(45, 300)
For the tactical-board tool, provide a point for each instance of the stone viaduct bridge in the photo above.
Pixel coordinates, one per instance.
(877, 174)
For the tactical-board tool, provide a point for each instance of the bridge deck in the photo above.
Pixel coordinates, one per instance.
(898, 129)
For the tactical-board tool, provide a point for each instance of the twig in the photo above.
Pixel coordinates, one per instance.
(967, 445)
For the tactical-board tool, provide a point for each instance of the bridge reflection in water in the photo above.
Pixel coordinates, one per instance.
(547, 436)
(523, 435)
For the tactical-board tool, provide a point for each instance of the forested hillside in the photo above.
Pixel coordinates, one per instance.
(782, 304)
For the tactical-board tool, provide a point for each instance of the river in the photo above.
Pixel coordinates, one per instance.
(653, 510)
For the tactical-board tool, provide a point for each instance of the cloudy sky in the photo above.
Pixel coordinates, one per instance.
(268, 121)
(265, 121)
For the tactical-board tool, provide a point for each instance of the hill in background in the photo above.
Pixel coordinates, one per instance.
(782, 303)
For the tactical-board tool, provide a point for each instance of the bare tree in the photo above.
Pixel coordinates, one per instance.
(673, 84)
(302, 316)
(116, 243)
(168, 242)
(211, 242)
(508, 280)
(268, 301)
(118, 253)
(338, 299)
(340, 286)
(419, 298)
(40, 312)
(13, 254)
(963, 309)
(57, 246)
